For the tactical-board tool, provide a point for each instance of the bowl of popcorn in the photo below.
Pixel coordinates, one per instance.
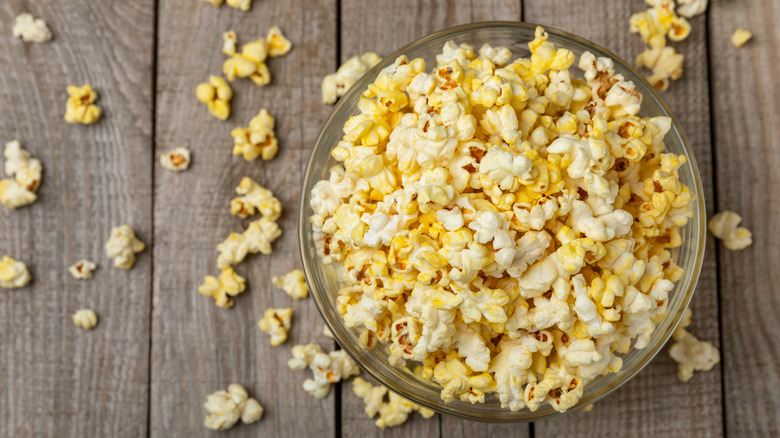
(502, 222)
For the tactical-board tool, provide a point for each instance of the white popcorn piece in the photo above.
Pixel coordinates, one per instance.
(293, 283)
(13, 273)
(393, 412)
(223, 288)
(740, 37)
(31, 29)
(85, 319)
(326, 368)
(122, 246)
(176, 160)
(499, 55)
(225, 408)
(257, 238)
(666, 64)
(724, 226)
(254, 198)
(229, 43)
(276, 322)
(691, 8)
(336, 85)
(690, 353)
(243, 5)
(24, 174)
(82, 270)
(373, 396)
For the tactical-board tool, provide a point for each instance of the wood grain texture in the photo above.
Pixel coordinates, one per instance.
(654, 403)
(746, 105)
(365, 26)
(57, 380)
(198, 348)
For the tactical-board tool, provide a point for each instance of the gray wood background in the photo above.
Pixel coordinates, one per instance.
(160, 347)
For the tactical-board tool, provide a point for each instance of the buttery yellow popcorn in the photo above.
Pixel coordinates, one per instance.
(336, 85)
(31, 29)
(225, 408)
(122, 246)
(223, 288)
(276, 323)
(293, 283)
(215, 2)
(740, 37)
(659, 22)
(80, 107)
(257, 238)
(82, 270)
(278, 44)
(503, 222)
(13, 273)
(256, 140)
(393, 412)
(690, 353)
(664, 62)
(254, 198)
(176, 160)
(85, 318)
(327, 368)
(250, 63)
(216, 94)
(243, 5)
(229, 42)
(724, 226)
(24, 174)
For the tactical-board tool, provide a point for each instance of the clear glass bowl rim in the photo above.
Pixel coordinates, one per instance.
(672, 319)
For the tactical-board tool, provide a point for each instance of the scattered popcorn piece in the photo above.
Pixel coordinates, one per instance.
(250, 63)
(30, 29)
(122, 246)
(254, 198)
(691, 8)
(276, 322)
(243, 5)
(336, 85)
(82, 270)
(256, 140)
(216, 94)
(215, 2)
(659, 22)
(223, 288)
(588, 408)
(690, 353)
(13, 273)
(278, 44)
(80, 107)
(258, 237)
(393, 412)
(724, 226)
(225, 408)
(85, 318)
(176, 160)
(326, 331)
(25, 176)
(229, 42)
(665, 63)
(328, 368)
(740, 37)
(294, 284)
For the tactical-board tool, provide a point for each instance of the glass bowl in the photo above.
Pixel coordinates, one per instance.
(322, 278)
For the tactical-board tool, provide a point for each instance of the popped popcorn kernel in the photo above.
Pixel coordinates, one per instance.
(85, 318)
(31, 29)
(243, 5)
(293, 283)
(225, 408)
(254, 198)
(229, 42)
(24, 174)
(13, 273)
(256, 140)
(740, 37)
(176, 160)
(80, 107)
(82, 270)
(393, 412)
(216, 94)
(249, 63)
(724, 226)
(691, 8)
(665, 63)
(122, 246)
(336, 85)
(276, 322)
(690, 353)
(278, 44)
(215, 2)
(223, 288)
(327, 368)
(257, 238)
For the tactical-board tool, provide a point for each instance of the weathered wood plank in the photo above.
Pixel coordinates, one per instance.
(654, 402)
(197, 347)
(55, 379)
(365, 26)
(747, 156)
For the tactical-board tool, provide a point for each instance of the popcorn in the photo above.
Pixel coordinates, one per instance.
(326, 331)
(336, 85)
(691, 8)
(257, 238)
(13, 273)
(724, 226)
(257, 139)
(393, 412)
(254, 198)
(80, 107)
(327, 368)
(82, 270)
(243, 5)
(31, 29)
(507, 227)
(229, 42)
(740, 37)
(658, 22)
(216, 94)
(225, 408)
(215, 2)
(176, 160)
(665, 63)
(223, 288)
(250, 63)
(278, 44)
(122, 246)
(293, 283)
(24, 174)
(85, 318)
(276, 322)
(690, 353)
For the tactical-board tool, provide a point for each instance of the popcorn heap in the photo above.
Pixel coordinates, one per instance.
(328, 368)
(225, 408)
(31, 29)
(393, 412)
(250, 63)
(13, 273)
(505, 224)
(24, 174)
(336, 85)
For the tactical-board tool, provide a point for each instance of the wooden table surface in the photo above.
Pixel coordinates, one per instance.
(160, 347)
